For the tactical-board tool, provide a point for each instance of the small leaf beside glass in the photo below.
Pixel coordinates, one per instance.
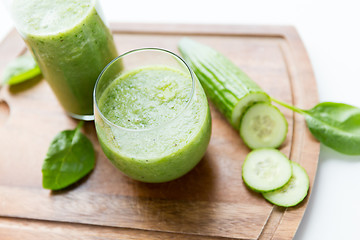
(21, 69)
(70, 157)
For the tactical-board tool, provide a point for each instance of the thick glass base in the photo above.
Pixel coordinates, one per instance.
(81, 117)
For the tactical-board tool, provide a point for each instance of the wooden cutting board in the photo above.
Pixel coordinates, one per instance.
(210, 202)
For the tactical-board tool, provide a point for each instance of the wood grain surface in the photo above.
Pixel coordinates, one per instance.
(210, 202)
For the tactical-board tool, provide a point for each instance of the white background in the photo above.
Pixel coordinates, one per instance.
(330, 31)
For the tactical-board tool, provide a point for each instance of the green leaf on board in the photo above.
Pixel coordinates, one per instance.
(337, 125)
(70, 157)
(21, 69)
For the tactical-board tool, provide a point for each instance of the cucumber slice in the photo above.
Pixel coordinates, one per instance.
(294, 191)
(263, 126)
(266, 169)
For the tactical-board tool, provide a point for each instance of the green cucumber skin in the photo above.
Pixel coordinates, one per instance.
(224, 83)
(259, 190)
(274, 146)
(300, 199)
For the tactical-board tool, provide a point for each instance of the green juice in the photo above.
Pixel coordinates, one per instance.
(71, 44)
(158, 126)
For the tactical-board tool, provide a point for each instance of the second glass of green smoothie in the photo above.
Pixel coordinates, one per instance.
(151, 115)
(71, 43)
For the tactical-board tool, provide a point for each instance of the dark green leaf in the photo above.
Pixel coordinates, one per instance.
(69, 158)
(337, 125)
(21, 69)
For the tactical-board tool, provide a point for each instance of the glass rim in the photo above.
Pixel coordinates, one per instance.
(94, 4)
(189, 100)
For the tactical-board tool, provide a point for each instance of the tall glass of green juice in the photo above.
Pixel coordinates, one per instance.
(152, 117)
(71, 44)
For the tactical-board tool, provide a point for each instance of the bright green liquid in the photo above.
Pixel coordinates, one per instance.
(162, 134)
(146, 97)
(71, 44)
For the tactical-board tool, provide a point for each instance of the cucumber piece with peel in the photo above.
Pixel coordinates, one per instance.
(266, 169)
(294, 191)
(229, 88)
(262, 126)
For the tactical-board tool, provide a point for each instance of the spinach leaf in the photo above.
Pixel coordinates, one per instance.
(69, 158)
(337, 125)
(21, 69)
